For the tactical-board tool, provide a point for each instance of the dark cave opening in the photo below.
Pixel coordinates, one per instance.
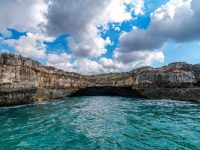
(108, 91)
(197, 84)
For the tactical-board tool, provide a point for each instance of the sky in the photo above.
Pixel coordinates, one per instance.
(101, 36)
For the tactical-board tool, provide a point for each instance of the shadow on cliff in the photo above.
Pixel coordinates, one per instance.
(108, 91)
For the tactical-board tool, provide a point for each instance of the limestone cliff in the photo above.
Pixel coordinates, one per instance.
(23, 80)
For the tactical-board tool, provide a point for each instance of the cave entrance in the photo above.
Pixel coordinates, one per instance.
(108, 91)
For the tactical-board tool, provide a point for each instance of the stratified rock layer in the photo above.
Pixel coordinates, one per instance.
(23, 80)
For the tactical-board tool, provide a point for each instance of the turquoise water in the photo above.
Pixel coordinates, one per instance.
(101, 123)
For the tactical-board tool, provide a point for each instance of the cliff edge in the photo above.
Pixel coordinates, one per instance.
(23, 80)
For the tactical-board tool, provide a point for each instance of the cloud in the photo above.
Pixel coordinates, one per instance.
(178, 20)
(137, 6)
(61, 61)
(117, 28)
(29, 45)
(74, 17)
(87, 66)
(88, 48)
(22, 15)
(108, 64)
(77, 18)
(65, 62)
(139, 58)
(103, 65)
(80, 19)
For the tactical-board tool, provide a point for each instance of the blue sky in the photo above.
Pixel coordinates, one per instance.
(100, 35)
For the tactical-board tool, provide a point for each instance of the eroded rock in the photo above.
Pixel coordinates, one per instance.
(23, 80)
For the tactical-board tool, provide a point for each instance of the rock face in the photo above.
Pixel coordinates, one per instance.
(23, 80)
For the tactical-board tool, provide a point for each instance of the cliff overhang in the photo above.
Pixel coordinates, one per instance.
(23, 80)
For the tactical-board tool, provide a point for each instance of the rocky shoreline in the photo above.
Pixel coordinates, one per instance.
(23, 80)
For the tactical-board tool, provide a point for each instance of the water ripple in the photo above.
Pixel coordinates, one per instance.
(101, 123)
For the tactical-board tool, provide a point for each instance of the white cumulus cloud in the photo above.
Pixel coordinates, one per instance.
(30, 45)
